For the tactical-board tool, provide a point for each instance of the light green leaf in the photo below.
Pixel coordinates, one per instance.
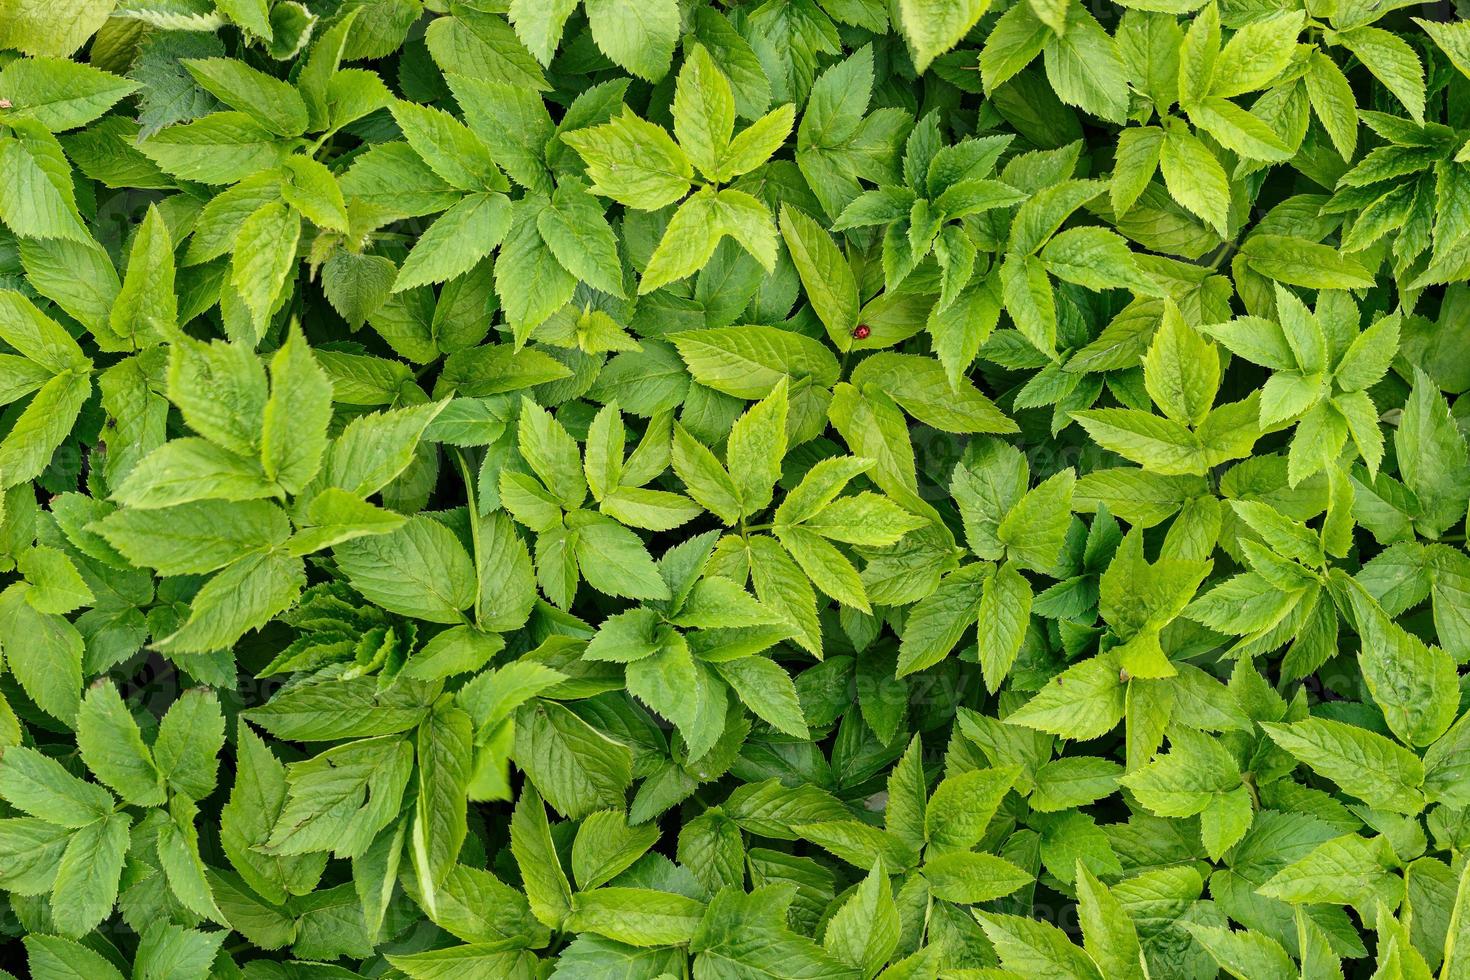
(637, 34)
(933, 28)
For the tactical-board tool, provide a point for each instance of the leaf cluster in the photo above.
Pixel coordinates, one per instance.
(901, 489)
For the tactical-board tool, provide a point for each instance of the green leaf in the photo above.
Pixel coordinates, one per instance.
(704, 111)
(189, 739)
(532, 283)
(1138, 152)
(633, 162)
(941, 618)
(1454, 953)
(38, 200)
(933, 28)
(419, 570)
(857, 843)
(1333, 102)
(1195, 178)
(1298, 262)
(374, 449)
(1108, 931)
(744, 934)
(757, 445)
(454, 153)
(614, 561)
(1084, 701)
(113, 747)
(265, 254)
(167, 949)
(60, 94)
(38, 785)
(146, 309)
(1196, 771)
(766, 688)
(445, 756)
(55, 584)
(1017, 39)
(606, 846)
(864, 932)
(87, 875)
(1256, 54)
(1181, 370)
(639, 36)
(457, 239)
(825, 274)
(246, 595)
(194, 538)
(539, 25)
(1415, 685)
(1345, 870)
(696, 229)
(1095, 258)
(1006, 605)
(1084, 69)
(43, 651)
(37, 337)
(748, 362)
(923, 390)
(782, 587)
(57, 29)
(575, 767)
(1392, 61)
(826, 566)
(962, 805)
(1245, 953)
(707, 481)
(756, 143)
(636, 916)
(1026, 946)
(178, 854)
(58, 957)
(577, 233)
(687, 244)
(589, 955)
(309, 187)
(678, 687)
(219, 148)
(1238, 130)
(42, 427)
(341, 798)
(1433, 455)
(294, 433)
(1364, 763)
(546, 884)
(1033, 529)
(1030, 301)
(966, 877)
(269, 101)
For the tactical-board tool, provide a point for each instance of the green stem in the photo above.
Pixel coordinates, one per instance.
(1227, 249)
(1249, 779)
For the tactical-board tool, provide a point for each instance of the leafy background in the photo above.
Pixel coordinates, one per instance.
(800, 488)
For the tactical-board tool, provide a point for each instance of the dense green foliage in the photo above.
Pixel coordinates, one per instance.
(774, 489)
